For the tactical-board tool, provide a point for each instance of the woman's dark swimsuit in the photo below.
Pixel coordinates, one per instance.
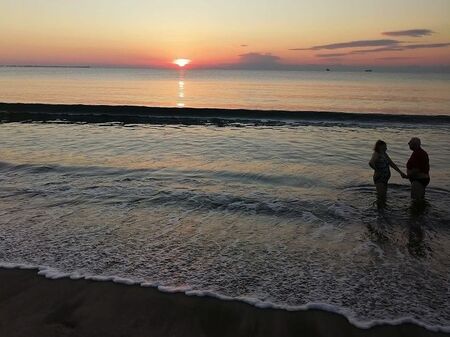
(382, 172)
(423, 181)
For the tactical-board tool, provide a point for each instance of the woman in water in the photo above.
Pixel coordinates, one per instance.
(380, 162)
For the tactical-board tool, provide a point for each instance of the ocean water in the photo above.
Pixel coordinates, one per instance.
(395, 93)
(276, 216)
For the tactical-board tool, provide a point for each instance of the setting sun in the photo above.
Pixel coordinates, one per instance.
(181, 62)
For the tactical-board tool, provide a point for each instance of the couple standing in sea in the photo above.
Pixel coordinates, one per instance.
(418, 168)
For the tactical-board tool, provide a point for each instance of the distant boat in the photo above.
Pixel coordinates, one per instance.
(368, 70)
(327, 69)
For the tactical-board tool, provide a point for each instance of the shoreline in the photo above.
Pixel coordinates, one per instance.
(31, 304)
(126, 114)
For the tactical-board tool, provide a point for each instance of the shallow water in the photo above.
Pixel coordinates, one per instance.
(394, 93)
(274, 215)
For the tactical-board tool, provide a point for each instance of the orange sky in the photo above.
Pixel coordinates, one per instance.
(215, 33)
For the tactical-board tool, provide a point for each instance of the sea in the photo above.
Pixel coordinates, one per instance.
(281, 216)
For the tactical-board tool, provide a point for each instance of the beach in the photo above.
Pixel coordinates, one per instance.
(31, 305)
(224, 168)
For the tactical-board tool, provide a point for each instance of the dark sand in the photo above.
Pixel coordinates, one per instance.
(31, 305)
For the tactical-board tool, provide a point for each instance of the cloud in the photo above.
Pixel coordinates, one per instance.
(401, 48)
(410, 33)
(353, 44)
(258, 59)
(387, 49)
(361, 51)
(244, 45)
(426, 45)
(376, 50)
(332, 55)
(394, 58)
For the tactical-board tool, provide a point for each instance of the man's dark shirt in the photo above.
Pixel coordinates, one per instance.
(419, 160)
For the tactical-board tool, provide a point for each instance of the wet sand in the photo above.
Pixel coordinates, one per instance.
(32, 305)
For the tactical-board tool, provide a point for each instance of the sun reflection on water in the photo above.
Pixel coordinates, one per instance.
(180, 102)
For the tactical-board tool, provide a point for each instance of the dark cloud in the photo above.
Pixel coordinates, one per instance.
(410, 33)
(387, 49)
(332, 55)
(376, 50)
(401, 48)
(426, 45)
(244, 45)
(361, 51)
(258, 59)
(353, 44)
(393, 58)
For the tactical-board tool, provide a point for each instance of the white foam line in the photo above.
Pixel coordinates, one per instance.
(53, 273)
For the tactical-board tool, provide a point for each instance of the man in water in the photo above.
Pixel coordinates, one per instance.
(418, 168)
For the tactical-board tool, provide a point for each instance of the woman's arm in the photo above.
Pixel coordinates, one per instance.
(395, 167)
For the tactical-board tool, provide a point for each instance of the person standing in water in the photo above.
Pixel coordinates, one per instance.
(418, 169)
(381, 163)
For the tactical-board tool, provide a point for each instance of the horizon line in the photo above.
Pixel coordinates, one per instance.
(242, 67)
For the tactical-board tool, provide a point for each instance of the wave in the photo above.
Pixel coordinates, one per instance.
(52, 273)
(400, 187)
(29, 112)
(132, 187)
(268, 179)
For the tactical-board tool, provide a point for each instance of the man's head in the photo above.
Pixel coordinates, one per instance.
(414, 143)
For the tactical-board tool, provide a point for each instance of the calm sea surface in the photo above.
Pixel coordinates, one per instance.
(397, 93)
(276, 216)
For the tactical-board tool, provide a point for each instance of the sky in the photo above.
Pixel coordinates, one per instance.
(279, 34)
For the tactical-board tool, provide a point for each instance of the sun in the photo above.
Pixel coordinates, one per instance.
(182, 62)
